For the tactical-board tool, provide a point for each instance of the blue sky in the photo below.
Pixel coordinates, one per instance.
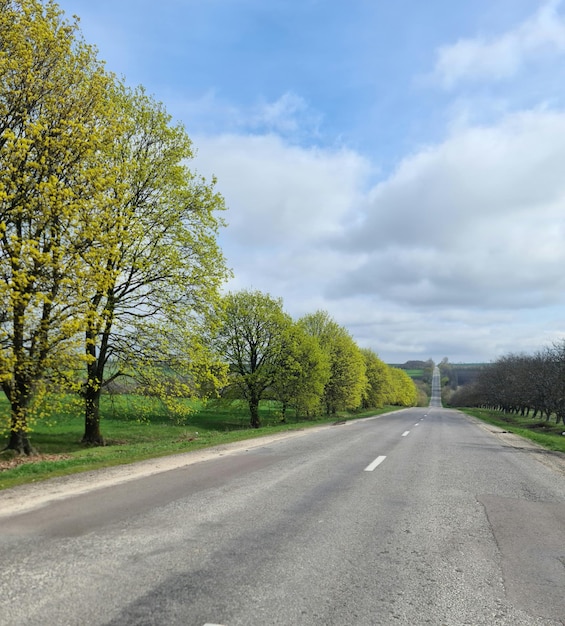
(398, 164)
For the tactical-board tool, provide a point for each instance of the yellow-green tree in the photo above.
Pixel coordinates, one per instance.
(252, 342)
(303, 373)
(157, 259)
(379, 381)
(348, 380)
(53, 103)
(404, 390)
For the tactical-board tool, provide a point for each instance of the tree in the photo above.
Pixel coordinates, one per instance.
(348, 380)
(378, 391)
(252, 342)
(156, 258)
(53, 119)
(303, 372)
(404, 391)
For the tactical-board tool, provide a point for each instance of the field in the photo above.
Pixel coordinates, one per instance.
(415, 374)
(137, 428)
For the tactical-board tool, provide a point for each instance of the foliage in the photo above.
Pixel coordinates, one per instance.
(251, 340)
(404, 391)
(104, 230)
(348, 380)
(303, 373)
(379, 389)
(53, 122)
(520, 383)
(159, 259)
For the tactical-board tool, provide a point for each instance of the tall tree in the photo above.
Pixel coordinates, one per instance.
(404, 391)
(378, 391)
(348, 380)
(303, 372)
(53, 119)
(252, 342)
(157, 259)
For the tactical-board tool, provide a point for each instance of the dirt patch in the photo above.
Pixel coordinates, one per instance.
(15, 461)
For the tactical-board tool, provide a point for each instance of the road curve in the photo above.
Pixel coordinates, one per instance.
(422, 516)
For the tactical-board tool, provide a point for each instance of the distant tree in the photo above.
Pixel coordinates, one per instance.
(404, 391)
(252, 340)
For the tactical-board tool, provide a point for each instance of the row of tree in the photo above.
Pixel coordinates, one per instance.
(520, 383)
(108, 249)
(312, 365)
(109, 261)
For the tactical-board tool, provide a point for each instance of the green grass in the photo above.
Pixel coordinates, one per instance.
(547, 434)
(136, 429)
(415, 373)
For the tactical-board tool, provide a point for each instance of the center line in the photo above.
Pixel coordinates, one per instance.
(375, 463)
(405, 433)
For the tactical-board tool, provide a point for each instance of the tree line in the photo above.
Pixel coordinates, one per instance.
(109, 260)
(312, 365)
(528, 384)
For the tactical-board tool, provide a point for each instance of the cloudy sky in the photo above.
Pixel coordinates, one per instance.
(400, 165)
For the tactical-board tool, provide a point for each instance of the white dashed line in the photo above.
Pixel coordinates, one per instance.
(405, 433)
(375, 463)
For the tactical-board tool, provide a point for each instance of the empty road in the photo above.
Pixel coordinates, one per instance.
(422, 516)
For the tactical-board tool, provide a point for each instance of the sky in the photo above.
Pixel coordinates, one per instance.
(400, 165)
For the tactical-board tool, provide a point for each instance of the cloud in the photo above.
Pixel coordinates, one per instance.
(282, 195)
(284, 201)
(477, 221)
(493, 59)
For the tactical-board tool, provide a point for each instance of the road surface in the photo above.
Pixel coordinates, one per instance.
(422, 516)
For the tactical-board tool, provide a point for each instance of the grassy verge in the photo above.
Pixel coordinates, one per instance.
(547, 434)
(131, 438)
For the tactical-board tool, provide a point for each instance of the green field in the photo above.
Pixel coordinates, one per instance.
(137, 428)
(415, 374)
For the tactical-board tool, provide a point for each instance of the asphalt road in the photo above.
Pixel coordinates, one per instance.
(421, 516)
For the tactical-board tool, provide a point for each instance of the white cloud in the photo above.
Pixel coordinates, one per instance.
(290, 114)
(466, 236)
(503, 57)
(477, 221)
(282, 195)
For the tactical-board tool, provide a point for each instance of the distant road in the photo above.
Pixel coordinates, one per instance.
(416, 517)
(435, 399)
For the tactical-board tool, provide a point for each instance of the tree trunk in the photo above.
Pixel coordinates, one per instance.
(19, 396)
(254, 412)
(92, 435)
(20, 443)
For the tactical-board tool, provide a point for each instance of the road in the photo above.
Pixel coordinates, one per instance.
(422, 516)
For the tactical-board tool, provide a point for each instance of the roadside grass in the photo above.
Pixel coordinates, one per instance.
(547, 434)
(136, 429)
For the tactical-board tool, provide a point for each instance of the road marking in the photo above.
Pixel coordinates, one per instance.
(416, 424)
(375, 463)
(406, 432)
